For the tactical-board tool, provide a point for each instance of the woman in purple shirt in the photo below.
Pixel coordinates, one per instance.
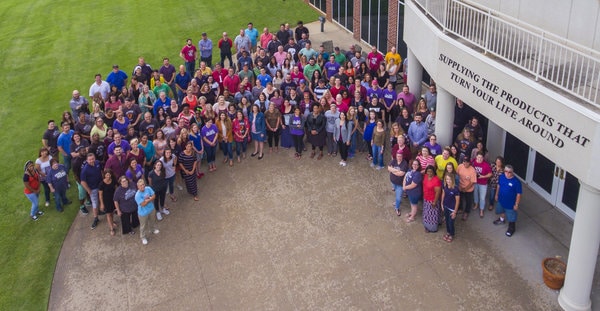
(209, 141)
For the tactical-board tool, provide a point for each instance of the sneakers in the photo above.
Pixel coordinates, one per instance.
(165, 211)
(372, 165)
(47, 204)
(499, 221)
(511, 229)
(83, 210)
(34, 218)
(156, 231)
(144, 241)
(379, 167)
(344, 164)
(158, 216)
(95, 223)
(180, 187)
(39, 213)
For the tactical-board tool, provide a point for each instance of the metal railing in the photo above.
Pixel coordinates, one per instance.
(572, 68)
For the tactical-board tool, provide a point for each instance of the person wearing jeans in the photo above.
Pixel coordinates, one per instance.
(225, 137)
(450, 200)
(58, 181)
(31, 180)
(484, 172)
(467, 177)
(241, 128)
(342, 133)
(398, 168)
(508, 196)
(377, 142)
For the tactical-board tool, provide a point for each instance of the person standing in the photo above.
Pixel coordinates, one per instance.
(300, 29)
(252, 33)
(205, 47)
(144, 197)
(225, 44)
(106, 195)
(431, 195)
(99, 86)
(242, 41)
(91, 176)
(398, 168)
(342, 133)
(484, 173)
(64, 144)
(31, 180)
(417, 133)
(413, 187)
(467, 178)
(124, 201)
(450, 201)
(167, 71)
(58, 182)
(117, 77)
(79, 103)
(50, 139)
(189, 53)
(508, 196)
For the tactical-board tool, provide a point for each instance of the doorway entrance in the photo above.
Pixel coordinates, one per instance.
(549, 180)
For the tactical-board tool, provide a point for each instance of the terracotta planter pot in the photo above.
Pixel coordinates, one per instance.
(554, 271)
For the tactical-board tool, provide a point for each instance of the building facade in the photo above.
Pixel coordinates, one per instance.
(532, 69)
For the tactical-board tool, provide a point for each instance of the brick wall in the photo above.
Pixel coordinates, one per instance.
(392, 36)
(356, 19)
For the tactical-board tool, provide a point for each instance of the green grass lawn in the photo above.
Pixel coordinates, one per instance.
(47, 49)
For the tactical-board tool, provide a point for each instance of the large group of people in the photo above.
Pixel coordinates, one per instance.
(128, 143)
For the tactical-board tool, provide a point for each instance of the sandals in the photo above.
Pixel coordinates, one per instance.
(448, 238)
(409, 219)
(490, 208)
(465, 216)
(398, 212)
(312, 154)
(320, 156)
(173, 198)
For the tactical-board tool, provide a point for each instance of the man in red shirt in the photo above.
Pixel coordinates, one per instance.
(219, 74)
(231, 82)
(189, 53)
(374, 58)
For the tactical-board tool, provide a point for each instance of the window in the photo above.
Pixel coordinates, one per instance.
(374, 23)
(320, 4)
(342, 13)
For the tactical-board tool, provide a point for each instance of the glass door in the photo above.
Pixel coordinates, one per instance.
(543, 173)
(552, 182)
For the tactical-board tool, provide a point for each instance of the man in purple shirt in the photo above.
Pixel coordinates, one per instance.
(408, 98)
(167, 71)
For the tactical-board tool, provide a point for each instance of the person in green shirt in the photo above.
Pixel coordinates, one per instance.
(310, 68)
(161, 87)
(339, 57)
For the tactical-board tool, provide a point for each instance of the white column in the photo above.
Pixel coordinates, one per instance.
(585, 240)
(444, 118)
(415, 74)
(495, 140)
